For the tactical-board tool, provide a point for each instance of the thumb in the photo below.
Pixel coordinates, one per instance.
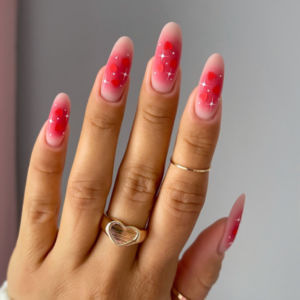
(200, 265)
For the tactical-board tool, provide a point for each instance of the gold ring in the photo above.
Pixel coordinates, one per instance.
(120, 234)
(189, 169)
(177, 294)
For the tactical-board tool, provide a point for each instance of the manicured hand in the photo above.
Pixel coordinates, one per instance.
(79, 260)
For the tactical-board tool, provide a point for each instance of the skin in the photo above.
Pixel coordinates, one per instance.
(78, 260)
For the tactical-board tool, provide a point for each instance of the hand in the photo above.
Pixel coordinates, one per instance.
(78, 260)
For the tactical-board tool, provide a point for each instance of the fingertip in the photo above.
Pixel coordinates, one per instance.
(216, 60)
(124, 43)
(238, 204)
(63, 99)
(172, 30)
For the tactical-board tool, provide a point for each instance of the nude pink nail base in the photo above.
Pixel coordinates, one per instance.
(58, 120)
(167, 58)
(209, 93)
(116, 73)
(232, 225)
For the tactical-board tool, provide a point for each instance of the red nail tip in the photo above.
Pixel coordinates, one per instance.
(58, 120)
(211, 75)
(125, 62)
(168, 46)
(113, 67)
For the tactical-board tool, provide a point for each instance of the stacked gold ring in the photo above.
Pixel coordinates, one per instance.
(189, 169)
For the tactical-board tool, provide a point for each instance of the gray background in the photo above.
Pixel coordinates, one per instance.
(62, 45)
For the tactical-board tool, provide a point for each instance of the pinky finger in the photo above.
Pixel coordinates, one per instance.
(200, 265)
(41, 205)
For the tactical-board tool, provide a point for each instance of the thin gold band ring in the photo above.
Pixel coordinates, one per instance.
(189, 169)
(177, 294)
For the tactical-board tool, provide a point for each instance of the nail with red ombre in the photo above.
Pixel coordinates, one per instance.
(117, 70)
(167, 58)
(232, 225)
(58, 120)
(210, 87)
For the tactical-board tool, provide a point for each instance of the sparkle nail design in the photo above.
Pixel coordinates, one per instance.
(232, 224)
(58, 120)
(167, 58)
(117, 70)
(210, 88)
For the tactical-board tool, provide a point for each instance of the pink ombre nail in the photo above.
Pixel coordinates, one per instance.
(167, 58)
(210, 87)
(117, 70)
(232, 225)
(58, 120)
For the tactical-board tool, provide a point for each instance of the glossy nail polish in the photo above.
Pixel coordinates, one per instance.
(167, 58)
(58, 120)
(210, 87)
(117, 70)
(232, 225)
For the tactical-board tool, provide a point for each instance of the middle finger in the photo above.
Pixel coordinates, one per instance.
(142, 168)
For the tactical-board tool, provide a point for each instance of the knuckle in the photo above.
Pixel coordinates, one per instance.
(209, 279)
(183, 198)
(43, 210)
(103, 123)
(87, 194)
(157, 115)
(45, 166)
(139, 183)
(201, 144)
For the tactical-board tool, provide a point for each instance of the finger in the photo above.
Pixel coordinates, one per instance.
(42, 194)
(92, 170)
(183, 192)
(143, 165)
(199, 268)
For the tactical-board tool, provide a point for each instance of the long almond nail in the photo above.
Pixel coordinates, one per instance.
(167, 58)
(210, 87)
(117, 70)
(232, 225)
(58, 120)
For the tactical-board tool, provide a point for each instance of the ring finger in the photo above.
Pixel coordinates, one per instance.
(183, 192)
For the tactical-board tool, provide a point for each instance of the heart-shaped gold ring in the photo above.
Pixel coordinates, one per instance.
(120, 234)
